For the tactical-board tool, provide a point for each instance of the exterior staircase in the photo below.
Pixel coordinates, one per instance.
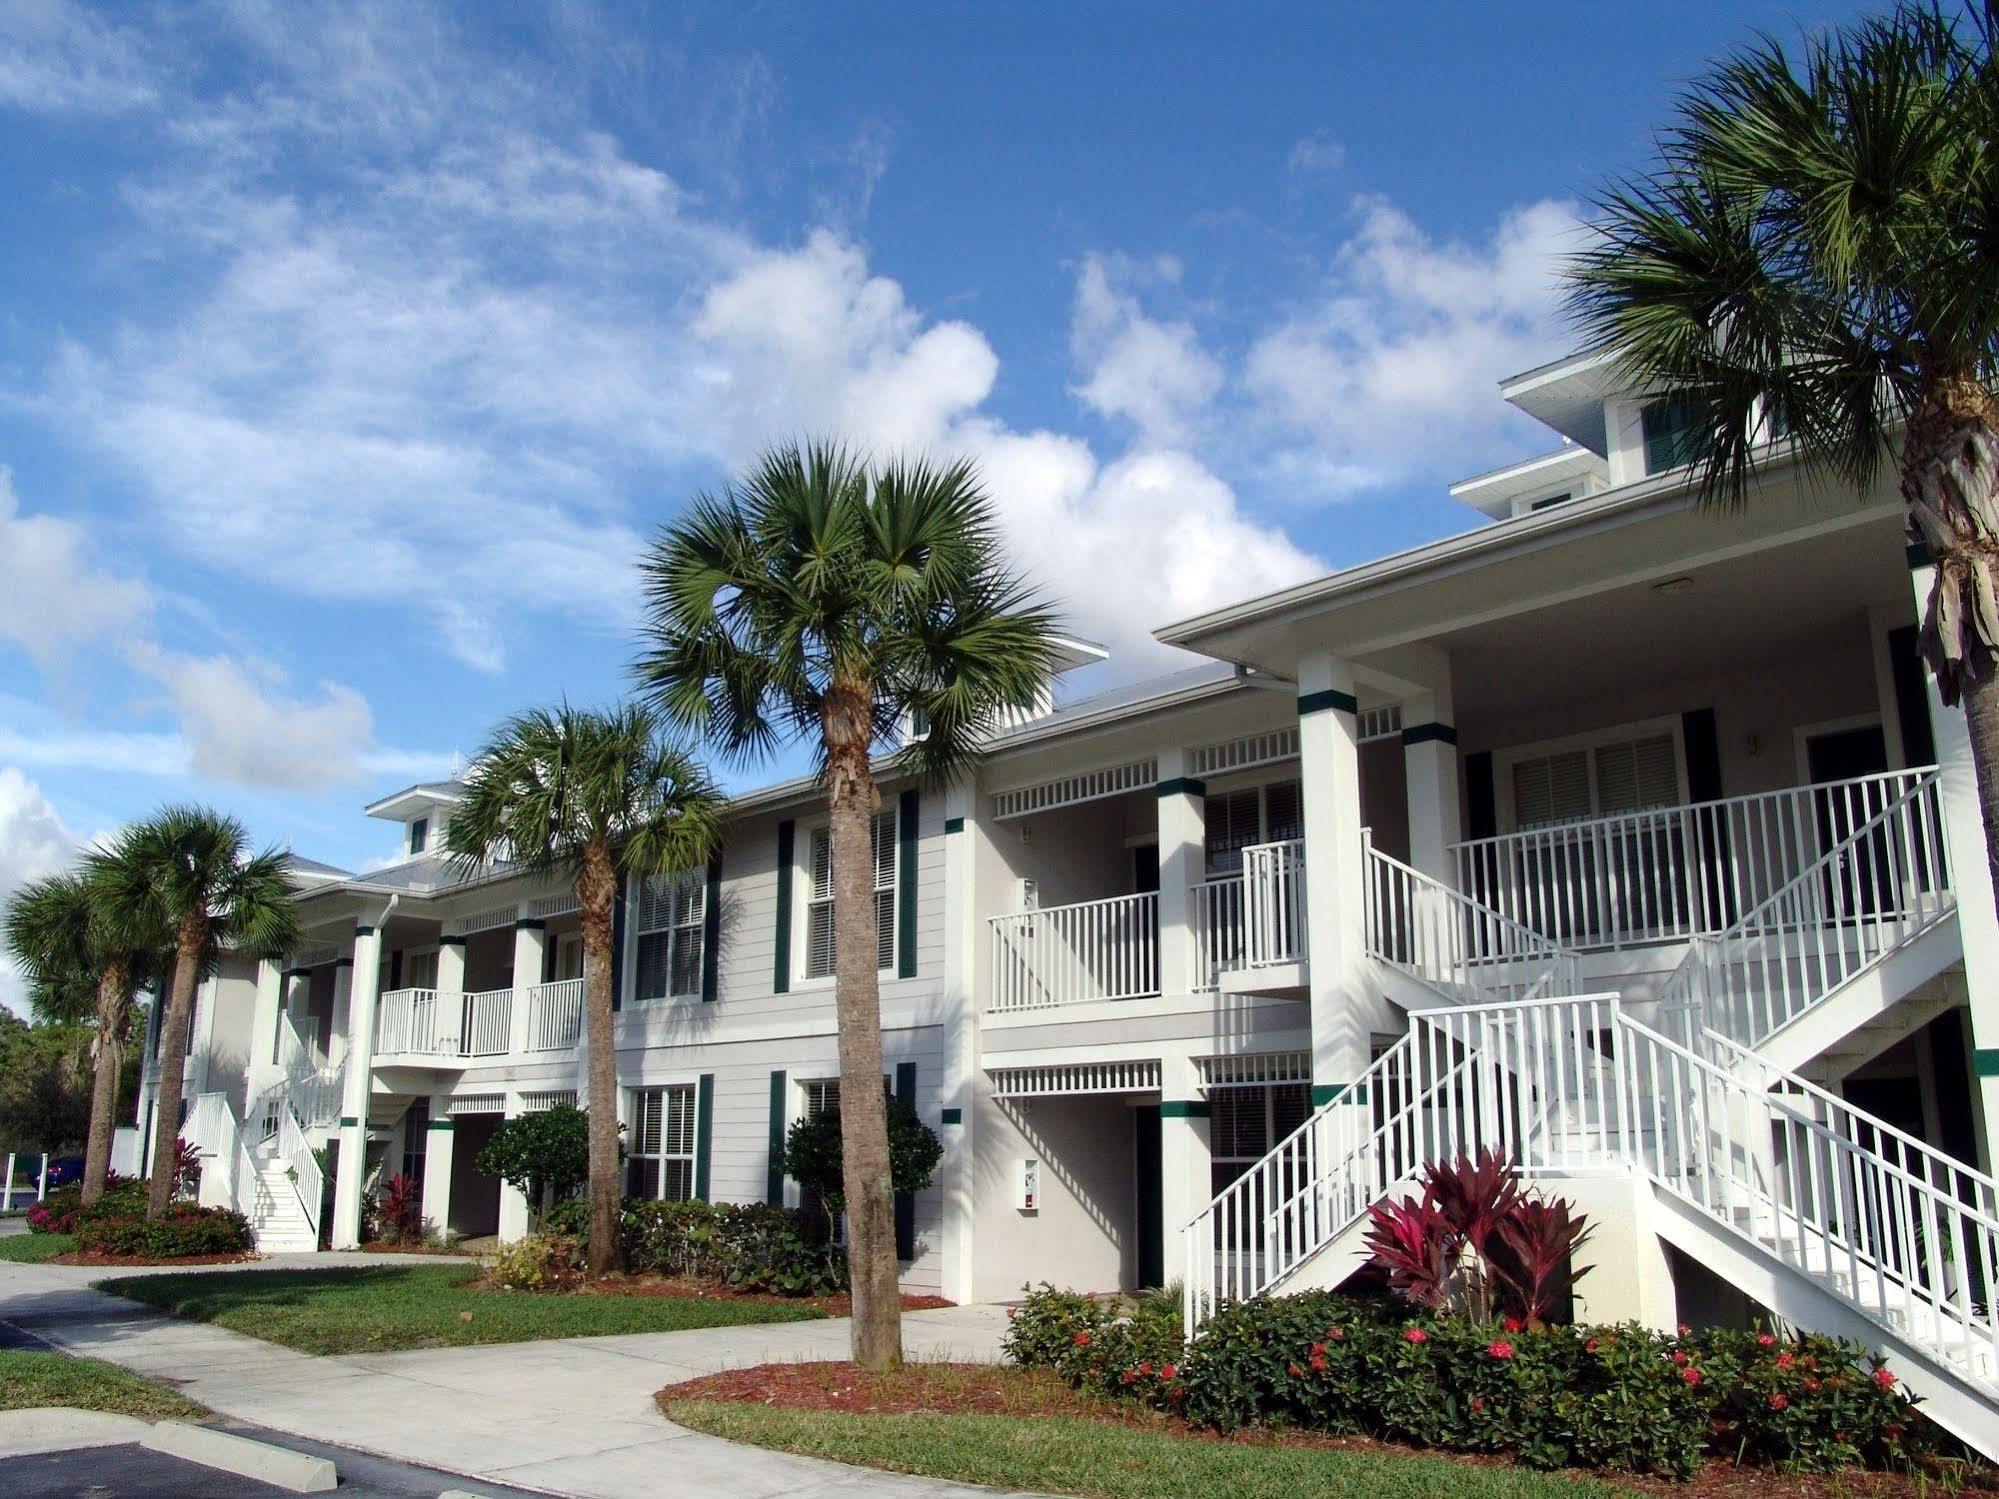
(263, 1165)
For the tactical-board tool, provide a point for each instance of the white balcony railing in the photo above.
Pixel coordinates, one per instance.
(1218, 930)
(425, 1023)
(555, 1015)
(487, 1024)
(1273, 900)
(1064, 955)
(1669, 874)
(406, 1024)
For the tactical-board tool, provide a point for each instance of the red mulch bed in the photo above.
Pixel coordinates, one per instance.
(92, 1257)
(689, 1289)
(998, 1390)
(378, 1246)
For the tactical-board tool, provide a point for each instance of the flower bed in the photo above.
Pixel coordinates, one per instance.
(1610, 1397)
(746, 1247)
(184, 1232)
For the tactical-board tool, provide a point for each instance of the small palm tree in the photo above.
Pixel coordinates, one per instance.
(830, 601)
(598, 798)
(1816, 255)
(85, 955)
(190, 870)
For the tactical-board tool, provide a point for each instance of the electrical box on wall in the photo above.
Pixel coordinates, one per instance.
(1027, 1186)
(1027, 896)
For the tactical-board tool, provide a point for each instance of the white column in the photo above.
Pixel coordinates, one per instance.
(202, 1039)
(437, 1152)
(265, 1014)
(961, 1034)
(343, 1006)
(1182, 862)
(1186, 1184)
(530, 943)
(450, 987)
(351, 1168)
(1344, 1014)
(1430, 764)
(513, 1201)
(1971, 880)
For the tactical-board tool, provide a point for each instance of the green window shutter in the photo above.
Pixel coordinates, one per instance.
(905, 1204)
(774, 1172)
(780, 978)
(711, 931)
(905, 887)
(704, 1132)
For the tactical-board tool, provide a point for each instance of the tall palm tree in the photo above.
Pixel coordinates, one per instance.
(827, 600)
(1815, 254)
(85, 954)
(597, 797)
(190, 869)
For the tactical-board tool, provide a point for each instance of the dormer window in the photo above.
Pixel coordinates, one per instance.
(1673, 435)
(1553, 499)
(419, 835)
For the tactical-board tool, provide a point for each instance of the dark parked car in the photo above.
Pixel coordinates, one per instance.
(65, 1171)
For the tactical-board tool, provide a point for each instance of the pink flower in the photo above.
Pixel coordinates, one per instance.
(1514, 1324)
(1811, 1386)
(1681, 1359)
(1785, 1360)
(1684, 1330)
(1335, 1334)
(1415, 1335)
(1691, 1376)
(1296, 1372)
(1778, 1402)
(1146, 1367)
(1082, 1340)
(1883, 1378)
(1169, 1371)
(1477, 1404)
(1500, 1350)
(1318, 1350)
(1589, 1345)
(1764, 1340)
(1318, 1363)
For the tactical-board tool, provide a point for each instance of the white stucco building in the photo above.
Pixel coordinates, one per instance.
(1620, 835)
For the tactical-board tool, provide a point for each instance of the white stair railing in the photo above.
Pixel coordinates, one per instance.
(1467, 951)
(1899, 1231)
(295, 1150)
(1666, 874)
(555, 1015)
(1273, 884)
(227, 1171)
(1063, 955)
(1879, 885)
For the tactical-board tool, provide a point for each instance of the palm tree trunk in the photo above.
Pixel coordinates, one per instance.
(108, 1048)
(596, 895)
(864, 1163)
(189, 941)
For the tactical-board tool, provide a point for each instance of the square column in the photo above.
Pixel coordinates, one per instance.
(450, 986)
(1971, 881)
(1430, 764)
(530, 948)
(437, 1152)
(1182, 863)
(513, 1201)
(1344, 1014)
(1186, 1182)
(265, 1017)
(343, 1008)
(956, 1176)
(351, 1169)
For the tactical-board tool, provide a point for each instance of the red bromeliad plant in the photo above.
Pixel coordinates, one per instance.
(1475, 1238)
(399, 1210)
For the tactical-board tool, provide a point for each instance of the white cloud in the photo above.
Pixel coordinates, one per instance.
(33, 844)
(1389, 374)
(1317, 155)
(241, 727)
(1154, 374)
(57, 59)
(52, 597)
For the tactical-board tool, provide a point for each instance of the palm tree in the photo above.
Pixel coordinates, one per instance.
(827, 600)
(598, 798)
(85, 954)
(190, 870)
(1816, 254)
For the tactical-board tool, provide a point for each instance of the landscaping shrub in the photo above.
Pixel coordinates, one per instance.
(185, 1231)
(1605, 1397)
(813, 1154)
(748, 1246)
(393, 1212)
(56, 1213)
(540, 1262)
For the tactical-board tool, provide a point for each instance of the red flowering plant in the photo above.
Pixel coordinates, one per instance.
(1809, 1403)
(1122, 1345)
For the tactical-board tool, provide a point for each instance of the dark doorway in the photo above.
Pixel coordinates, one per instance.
(1846, 754)
(1144, 868)
(475, 1199)
(1863, 883)
(1148, 1194)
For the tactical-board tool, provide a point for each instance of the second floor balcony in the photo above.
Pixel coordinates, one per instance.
(429, 1027)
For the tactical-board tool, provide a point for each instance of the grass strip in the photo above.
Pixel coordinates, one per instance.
(33, 1249)
(31, 1378)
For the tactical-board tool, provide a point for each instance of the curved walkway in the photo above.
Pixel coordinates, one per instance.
(568, 1416)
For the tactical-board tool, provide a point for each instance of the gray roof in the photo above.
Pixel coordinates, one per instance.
(1131, 694)
(303, 865)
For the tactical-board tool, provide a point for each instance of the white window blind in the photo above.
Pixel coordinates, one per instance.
(672, 910)
(1637, 774)
(1244, 1123)
(1257, 814)
(661, 1163)
(420, 970)
(819, 906)
(1625, 775)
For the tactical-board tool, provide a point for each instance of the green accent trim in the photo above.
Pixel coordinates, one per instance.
(449, 940)
(907, 808)
(530, 924)
(1918, 555)
(443, 1124)
(711, 933)
(1430, 733)
(1332, 697)
(704, 1131)
(297, 973)
(780, 973)
(954, 824)
(337, 963)
(774, 1170)
(1325, 1093)
(364, 931)
(905, 1202)
(1184, 1108)
(951, 1116)
(1181, 786)
(348, 1121)
(1985, 1062)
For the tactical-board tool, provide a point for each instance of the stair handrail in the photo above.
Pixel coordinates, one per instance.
(1862, 1227)
(303, 1167)
(1798, 908)
(1395, 890)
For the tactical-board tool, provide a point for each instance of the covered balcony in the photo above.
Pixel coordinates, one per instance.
(430, 1027)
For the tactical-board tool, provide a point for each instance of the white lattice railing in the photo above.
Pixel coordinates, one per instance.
(1882, 882)
(555, 1015)
(406, 1024)
(1467, 951)
(486, 1023)
(1667, 874)
(1064, 955)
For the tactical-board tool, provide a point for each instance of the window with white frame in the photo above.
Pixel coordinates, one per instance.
(819, 900)
(419, 834)
(1626, 773)
(672, 912)
(822, 1097)
(420, 970)
(1244, 1122)
(661, 1162)
(1271, 813)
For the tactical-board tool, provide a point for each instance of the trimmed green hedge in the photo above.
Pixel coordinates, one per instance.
(185, 1231)
(748, 1246)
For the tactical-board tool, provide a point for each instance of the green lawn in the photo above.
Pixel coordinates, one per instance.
(32, 1249)
(419, 1306)
(30, 1378)
(1075, 1455)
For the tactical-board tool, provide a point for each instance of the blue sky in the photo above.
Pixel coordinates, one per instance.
(348, 354)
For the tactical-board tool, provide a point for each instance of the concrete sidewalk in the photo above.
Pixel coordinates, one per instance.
(571, 1416)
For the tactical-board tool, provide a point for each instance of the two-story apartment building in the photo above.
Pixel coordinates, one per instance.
(1619, 835)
